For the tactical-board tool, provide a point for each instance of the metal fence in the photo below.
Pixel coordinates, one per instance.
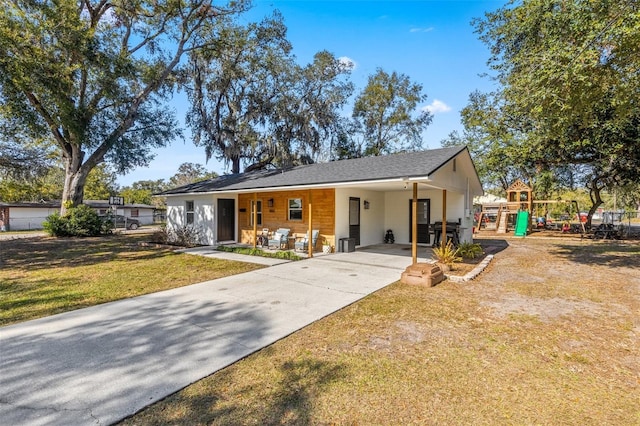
(35, 223)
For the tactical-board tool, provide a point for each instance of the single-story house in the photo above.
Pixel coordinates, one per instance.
(23, 216)
(360, 199)
(142, 212)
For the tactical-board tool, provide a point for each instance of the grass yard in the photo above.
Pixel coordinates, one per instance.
(548, 334)
(43, 276)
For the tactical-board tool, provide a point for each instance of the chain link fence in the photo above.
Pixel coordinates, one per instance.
(34, 223)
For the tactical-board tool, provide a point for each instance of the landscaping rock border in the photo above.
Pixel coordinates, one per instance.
(473, 273)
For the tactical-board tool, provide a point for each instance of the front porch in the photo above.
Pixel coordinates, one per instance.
(393, 254)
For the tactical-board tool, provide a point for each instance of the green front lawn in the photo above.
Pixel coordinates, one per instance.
(45, 276)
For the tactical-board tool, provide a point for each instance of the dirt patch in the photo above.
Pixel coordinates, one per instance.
(545, 309)
(549, 279)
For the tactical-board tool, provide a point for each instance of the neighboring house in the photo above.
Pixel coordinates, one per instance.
(143, 212)
(27, 216)
(359, 198)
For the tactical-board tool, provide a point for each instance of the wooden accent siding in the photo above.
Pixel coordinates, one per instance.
(323, 214)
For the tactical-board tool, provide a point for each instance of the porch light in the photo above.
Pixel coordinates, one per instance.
(270, 202)
(366, 205)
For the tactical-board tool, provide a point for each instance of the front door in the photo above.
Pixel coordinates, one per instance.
(354, 219)
(424, 217)
(226, 219)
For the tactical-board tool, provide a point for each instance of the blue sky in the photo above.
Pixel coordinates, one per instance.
(430, 41)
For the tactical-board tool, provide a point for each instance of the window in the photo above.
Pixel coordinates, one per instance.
(135, 212)
(259, 212)
(189, 210)
(454, 165)
(295, 208)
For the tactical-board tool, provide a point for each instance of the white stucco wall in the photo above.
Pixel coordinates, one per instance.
(397, 211)
(145, 216)
(371, 220)
(204, 215)
(391, 210)
(27, 218)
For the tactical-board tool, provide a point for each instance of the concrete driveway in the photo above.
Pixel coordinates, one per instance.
(101, 364)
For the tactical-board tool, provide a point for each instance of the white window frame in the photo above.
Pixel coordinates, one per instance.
(189, 212)
(259, 212)
(291, 209)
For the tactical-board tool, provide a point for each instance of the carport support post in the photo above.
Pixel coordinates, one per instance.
(310, 239)
(255, 219)
(414, 226)
(443, 234)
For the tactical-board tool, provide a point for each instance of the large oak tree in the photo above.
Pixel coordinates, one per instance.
(569, 85)
(386, 114)
(252, 103)
(92, 76)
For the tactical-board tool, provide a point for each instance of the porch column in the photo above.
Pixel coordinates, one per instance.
(255, 219)
(310, 240)
(414, 225)
(444, 218)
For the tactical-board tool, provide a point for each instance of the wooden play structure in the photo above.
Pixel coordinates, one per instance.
(519, 199)
(517, 212)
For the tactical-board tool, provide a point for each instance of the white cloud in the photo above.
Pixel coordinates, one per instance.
(437, 107)
(347, 63)
(421, 30)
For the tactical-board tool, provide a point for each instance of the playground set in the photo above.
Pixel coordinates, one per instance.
(522, 214)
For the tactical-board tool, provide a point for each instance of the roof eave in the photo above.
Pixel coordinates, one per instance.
(308, 186)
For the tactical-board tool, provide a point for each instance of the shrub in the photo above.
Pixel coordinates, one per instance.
(161, 235)
(470, 250)
(185, 236)
(446, 254)
(55, 225)
(286, 255)
(80, 221)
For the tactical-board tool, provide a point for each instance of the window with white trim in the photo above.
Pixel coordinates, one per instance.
(295, 209)
(189, 212)
(259, 212)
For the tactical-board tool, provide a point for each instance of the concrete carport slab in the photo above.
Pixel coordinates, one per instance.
(101, 364)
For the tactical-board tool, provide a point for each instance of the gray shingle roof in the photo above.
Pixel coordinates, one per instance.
(407, 164)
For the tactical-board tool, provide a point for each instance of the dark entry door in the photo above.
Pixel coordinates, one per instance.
(226, 219)
(424, 218)
(354, 219)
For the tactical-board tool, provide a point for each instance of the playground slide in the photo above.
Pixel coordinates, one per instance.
(522, 223)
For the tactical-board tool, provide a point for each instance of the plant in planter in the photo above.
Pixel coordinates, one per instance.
(470, 250)
(446, 255)
(326, 245)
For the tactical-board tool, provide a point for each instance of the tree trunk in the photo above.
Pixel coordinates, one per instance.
(596, 201)
(235, 165)
(75, 178)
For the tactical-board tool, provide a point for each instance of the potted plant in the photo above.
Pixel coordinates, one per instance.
(326, 246)
(446, 255)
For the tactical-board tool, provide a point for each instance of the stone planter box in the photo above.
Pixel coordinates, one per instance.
(425, 274)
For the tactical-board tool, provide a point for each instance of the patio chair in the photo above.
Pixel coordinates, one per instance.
(280, 238)
(303, 244)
